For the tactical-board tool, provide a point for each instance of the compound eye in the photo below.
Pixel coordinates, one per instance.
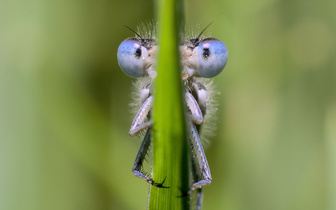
(131, 57)
(212, 57)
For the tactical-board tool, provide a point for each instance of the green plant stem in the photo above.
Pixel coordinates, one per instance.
(170, 143)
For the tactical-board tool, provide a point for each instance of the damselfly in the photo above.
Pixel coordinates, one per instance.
(201, 58)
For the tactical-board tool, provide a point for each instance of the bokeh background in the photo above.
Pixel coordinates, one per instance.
(64, 117)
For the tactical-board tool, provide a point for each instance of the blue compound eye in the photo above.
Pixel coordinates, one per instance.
(131, 57)
(212, 57)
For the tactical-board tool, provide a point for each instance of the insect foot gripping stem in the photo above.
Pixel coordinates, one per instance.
(137, 166)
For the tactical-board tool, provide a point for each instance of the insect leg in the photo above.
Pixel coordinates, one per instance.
(201, 95)
(138, 124)
(197, 195)
(203, 175)
(200, 167)
(137, 166)
(196, 113)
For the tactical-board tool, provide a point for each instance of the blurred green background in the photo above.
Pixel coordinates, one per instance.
(64, 117)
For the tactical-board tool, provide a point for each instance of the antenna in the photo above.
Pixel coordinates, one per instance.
(197, 39)
(134, 32)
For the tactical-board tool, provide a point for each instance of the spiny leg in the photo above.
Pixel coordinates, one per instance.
(197, 194)
(195, 111)
(199, 198)
(201, 161)
(138, 123)
(201, 170)
(138, 163)
(201, 95)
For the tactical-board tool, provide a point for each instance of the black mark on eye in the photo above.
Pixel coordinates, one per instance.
(138, 53)
(206, 53)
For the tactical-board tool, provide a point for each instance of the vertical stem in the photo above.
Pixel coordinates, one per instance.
(170, 142)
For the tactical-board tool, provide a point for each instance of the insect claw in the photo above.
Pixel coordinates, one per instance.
(160, 185)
